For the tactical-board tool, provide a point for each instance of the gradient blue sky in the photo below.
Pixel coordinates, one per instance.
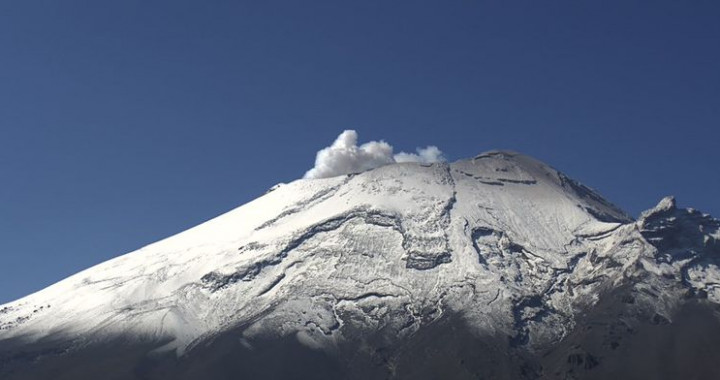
(123, 122)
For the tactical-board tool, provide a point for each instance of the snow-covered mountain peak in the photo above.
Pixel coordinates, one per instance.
(437, 211)
(509, 245)
(665, 206)
(680, 234)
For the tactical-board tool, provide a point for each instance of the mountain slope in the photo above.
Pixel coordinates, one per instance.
(499, 258)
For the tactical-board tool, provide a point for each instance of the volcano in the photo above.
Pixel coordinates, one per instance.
(494, 267)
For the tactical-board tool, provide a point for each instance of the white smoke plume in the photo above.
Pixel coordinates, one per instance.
(426, 155)
(344, 156)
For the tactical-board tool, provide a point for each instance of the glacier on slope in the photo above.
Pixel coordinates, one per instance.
(367, 271)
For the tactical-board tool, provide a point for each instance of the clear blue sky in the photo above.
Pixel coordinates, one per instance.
(123, 122)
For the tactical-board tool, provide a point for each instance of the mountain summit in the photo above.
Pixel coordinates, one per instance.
(492, 267)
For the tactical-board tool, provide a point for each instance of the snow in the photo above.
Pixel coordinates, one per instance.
(506, 240)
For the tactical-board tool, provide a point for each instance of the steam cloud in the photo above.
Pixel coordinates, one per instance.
(344, 156)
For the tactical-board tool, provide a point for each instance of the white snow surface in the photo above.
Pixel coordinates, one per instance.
(499, 239)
